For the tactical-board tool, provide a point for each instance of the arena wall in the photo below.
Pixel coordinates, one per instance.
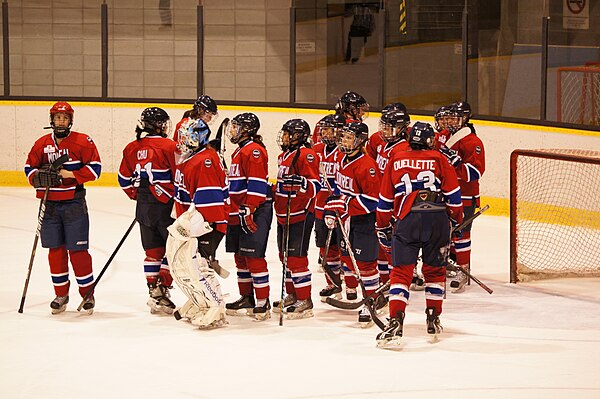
(111, 125)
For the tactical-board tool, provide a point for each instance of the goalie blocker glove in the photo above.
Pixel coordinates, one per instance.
(452, 156)
(46, 178)
(247, 220)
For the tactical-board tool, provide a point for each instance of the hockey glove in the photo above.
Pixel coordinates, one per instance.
(46, 177)
(247, 220)
(329, 219)
(294, 183)
(338, 204)
(452, 156)
(384, 235)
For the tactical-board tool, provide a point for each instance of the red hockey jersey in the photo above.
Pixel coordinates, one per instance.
(307, 165)
(359, 180)
(411, 171)
(328, 162)
(84, 162)
(248, 178)
(201, 179)
(383, 150)
(151, 158)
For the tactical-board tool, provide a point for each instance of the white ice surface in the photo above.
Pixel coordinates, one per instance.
(536, 340)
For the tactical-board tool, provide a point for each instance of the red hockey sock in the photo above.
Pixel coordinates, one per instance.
(59, 270)
(244, 279)
(82, 267)
(260, 276)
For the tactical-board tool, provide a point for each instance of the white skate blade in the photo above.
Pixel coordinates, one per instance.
(300, 315)
(262, 316)
(337, 296)
(433, 338)
(394, 343)
(367, 324)
(239, 312)
(59, 310)
(155, 308)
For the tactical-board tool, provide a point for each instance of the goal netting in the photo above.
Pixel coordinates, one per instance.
(579, 95)
(554, 214)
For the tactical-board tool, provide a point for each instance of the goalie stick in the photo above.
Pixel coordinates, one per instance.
(56, 165)
(340, 304)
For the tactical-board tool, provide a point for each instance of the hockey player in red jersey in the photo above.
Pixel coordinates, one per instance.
(420, 190)
(441, 126)
(353, 107)
(330, 127)
(465, 151)
(297, 186)
(357, 179)
(376, 143)
(65, 227)
(250, 216)
(204, 108)
(146, 175)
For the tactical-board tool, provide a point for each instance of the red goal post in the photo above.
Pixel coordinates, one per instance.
(578, 94)
(554, 214)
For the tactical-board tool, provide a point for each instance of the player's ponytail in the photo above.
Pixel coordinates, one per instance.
(258, 139)
(138, 132)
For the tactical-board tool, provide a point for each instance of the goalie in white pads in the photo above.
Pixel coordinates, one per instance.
(201, 206)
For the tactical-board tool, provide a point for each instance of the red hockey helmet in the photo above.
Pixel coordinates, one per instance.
(62, 107)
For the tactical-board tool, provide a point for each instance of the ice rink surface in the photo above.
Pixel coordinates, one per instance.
(535, 340)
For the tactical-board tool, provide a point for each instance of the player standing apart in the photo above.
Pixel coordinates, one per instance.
(357, 179)
(204, 108)
(465, 151)
(146, 175)
(250, 216)
(420, 190)
(298, 179)
(65, 227)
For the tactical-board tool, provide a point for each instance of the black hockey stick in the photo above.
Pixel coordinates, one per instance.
(457, 268)
(334, 278)
(286, 233)
(55, 166)
(337, 303)
(91, 290)
(469, 220)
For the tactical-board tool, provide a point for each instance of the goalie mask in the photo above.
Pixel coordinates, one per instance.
(205, 108)
(330, 128)
(353, 106)
(421, 136)
(61, 119)
(155, 121)
(193, 136)
(393, 124)
(242, 126)
(293, 134)
(353, 137)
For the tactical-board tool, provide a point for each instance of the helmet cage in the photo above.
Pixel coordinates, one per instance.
(350, 140)
(390, 133)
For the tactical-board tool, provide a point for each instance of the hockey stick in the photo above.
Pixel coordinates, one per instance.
(41, 212)
(286, 233)
(91, 290)
(457, 268)
(334, 278)
(221, 150)
(469, 220)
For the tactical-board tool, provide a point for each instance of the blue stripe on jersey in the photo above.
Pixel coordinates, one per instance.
(368, 203)
(182, 195)
(257, 187)
(453, 197)
(238, 186)
(124, 182)
(384, 204)
(472, 172)
(29, 170)
(209, 196)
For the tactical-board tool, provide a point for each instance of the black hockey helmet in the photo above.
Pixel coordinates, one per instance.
(394, 106)
(421, 136)
(464, 109)
(242, 125)
(440, 117)
(459, 114)
(393, 124)
(205, 108)
(354, 105)
(293, 134)
(329, 128)
(155, 121)
(353, 135)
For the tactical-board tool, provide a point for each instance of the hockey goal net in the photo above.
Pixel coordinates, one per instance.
(579, 94)
(554, 214)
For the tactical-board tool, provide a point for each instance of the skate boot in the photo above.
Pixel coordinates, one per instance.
(351, 294)
(433, 322)
(59, 304)
(417, 283)
(242, 307)
(458, 282)
(89, 305)
(390, 336)
(380, 303)
(287, 301)
(262, 312)
(330, 291)
(301, 309)
(159, 301)
(364, 318)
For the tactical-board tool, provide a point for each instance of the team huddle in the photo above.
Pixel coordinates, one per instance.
(378, 204)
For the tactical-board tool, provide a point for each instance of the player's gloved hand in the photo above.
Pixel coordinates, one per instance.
(337, 203)
(452, 155)
(46, 177)
(329, 219)
(294, 183)
(454, 224)
(384, 235)
(247, 220)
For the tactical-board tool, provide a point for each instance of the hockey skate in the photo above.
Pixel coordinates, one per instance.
(59, 304)
(332, 291)
(417, 283)
(159, 301)
(391, 335)
(458, 282)
(434, 326)
(301, 309)
(89, 305)
(242, 307)
(351, 294)
(287, 301)
(364, 318)
(262, 312)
